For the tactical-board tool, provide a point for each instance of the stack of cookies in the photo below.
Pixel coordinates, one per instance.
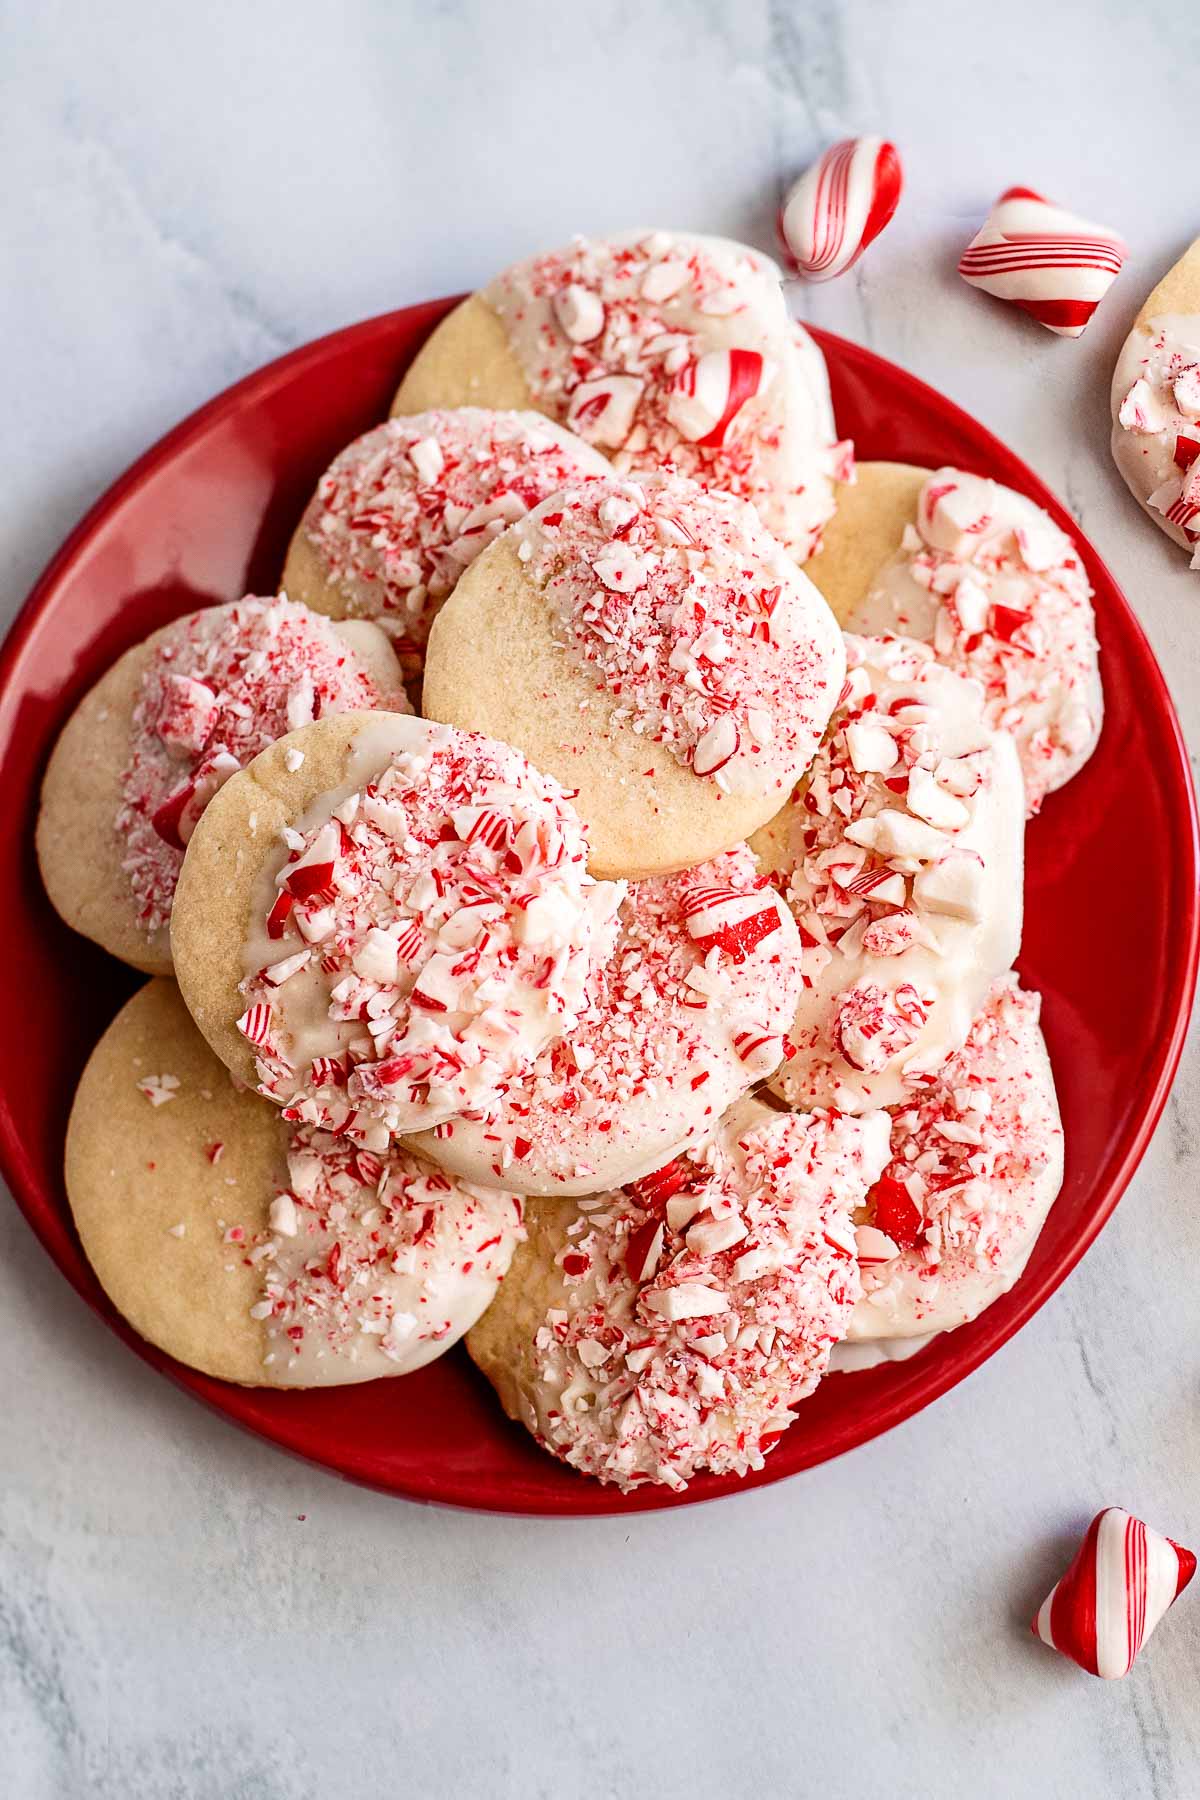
(573, 925)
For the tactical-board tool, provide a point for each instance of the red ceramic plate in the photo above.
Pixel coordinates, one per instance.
(1111, 933)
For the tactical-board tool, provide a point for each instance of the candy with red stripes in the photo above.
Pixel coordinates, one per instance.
(1123, 1580)
(839, 206)
(1053, 265)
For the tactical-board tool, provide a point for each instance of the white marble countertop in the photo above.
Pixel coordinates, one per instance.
(183, 1612)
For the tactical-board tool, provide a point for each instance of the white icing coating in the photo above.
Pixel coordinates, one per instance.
(422, 934)
(690, 1009)
(976, 1164)
(1156, 423)
(989, 580)
(902, 864)
(663, 348)
(373, 1265)
(703, 631)
(661, 1336)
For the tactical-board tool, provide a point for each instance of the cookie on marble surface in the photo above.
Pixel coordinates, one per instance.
(995, 586)
(654, 1334)
(651, 645)
(658, 348)
(252, 1251)
(381, 920)
(402, 511)
(1156, 404)
(159, 733)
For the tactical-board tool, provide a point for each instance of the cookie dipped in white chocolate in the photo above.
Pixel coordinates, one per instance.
(260, 1253)
(901, 858)
(653, 1335)
(1156, 405)
(650, 643)
(387, 919)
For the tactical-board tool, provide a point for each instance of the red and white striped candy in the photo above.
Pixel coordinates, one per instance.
(722, 919)
(709, 391)
(1051, 264)
(839, 206)
(762, 1051)
(255, 1023)
(1125, 1576)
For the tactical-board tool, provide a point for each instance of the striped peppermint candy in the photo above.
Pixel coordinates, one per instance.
(1051, 264)
(839, 206)
(709, 391)
(1125, 1576)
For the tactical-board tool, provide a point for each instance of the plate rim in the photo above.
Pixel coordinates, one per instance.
(594, 1500)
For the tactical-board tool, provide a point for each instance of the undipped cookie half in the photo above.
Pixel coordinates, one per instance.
(258, 1254)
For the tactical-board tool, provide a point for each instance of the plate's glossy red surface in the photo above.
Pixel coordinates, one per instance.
(1111, 932)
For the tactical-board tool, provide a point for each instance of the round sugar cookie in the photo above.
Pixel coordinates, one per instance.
(649, 1337)
(650, 644)
(403, 510)
(257, 1253)
(690, 1009)
(901, 858)
(157, 735)
(989, 580)
(383, 920)
(976, 1164)
(660, 349)
(1156, 404)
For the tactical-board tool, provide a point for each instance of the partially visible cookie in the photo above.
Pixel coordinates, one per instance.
(991, 582)
(976, 1163)
(382, 920)
(902, 860)
(403, 510)
(1156, 404)
(154, 739)
(260, 1255)
(651, 645)
(652, 1335)
(660, 348)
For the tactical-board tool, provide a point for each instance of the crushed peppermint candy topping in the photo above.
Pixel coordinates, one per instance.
(678, 351)
(428, 934)
(704, 634)
(662, 1335)
(902, 867)
(976, 1161)
(688, 1011)
(222, 685)
(989, 580)
(373, 1264)
(1156, 423)
(158, 1089)
(400, 514)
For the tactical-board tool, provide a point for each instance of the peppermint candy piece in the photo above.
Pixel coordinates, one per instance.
(1125, 1576)
(1052, 264)
(839, 206)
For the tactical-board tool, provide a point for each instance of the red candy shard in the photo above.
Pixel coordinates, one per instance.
(895, 1212)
